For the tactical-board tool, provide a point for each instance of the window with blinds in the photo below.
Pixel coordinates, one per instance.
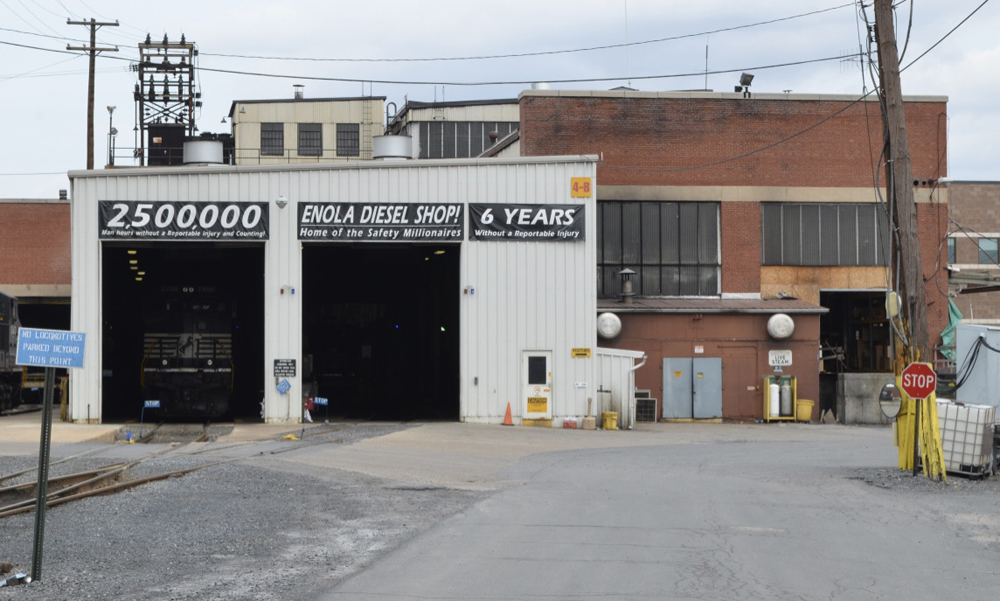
(460, 139)
(818, 234)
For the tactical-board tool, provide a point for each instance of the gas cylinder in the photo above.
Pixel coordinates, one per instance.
(773, 394)
(786, 398)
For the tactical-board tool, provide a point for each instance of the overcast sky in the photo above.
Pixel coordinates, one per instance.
(43, 95)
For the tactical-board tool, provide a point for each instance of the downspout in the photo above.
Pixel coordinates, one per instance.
(631, 400)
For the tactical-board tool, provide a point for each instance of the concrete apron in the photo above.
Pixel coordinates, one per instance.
(441, 454)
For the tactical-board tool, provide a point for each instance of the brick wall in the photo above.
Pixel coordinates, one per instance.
(740, 227)
(658, 141)
(34, 243)
(690, 141)
(932, 219)
(975, 209)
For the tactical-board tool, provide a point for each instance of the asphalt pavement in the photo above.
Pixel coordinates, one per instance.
(463, 511)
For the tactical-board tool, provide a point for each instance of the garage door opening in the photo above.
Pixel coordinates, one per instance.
(183, 325)
(855, 337)
(380, 330)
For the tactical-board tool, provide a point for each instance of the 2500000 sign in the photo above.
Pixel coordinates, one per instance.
(169, 219)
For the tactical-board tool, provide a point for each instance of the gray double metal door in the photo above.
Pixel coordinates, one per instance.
(692, 387)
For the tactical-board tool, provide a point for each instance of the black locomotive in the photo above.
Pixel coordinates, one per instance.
(187, 360)
(11, 375)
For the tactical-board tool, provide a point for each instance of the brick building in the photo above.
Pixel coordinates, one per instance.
(35, 259)
(973, 243)
(717, 197)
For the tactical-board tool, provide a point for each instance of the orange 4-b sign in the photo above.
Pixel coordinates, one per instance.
(918, 380)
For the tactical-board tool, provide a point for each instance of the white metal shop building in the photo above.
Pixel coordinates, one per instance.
(393, 289)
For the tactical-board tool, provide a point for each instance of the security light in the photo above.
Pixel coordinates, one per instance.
(281, 201)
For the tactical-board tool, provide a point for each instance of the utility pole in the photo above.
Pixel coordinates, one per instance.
(899, 185)
(93, 49)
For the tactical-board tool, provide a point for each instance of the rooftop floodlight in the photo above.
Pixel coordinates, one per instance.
(745, 79)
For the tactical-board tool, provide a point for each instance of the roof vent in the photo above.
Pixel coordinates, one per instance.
(300, 91)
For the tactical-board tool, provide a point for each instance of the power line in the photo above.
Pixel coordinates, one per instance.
(531, 54)
(525, 81)
(35, 173)
(475, 83)
(26, 22)
(30, 47)
(799, 133)
(36, 17)
(42, 35)
(6, 78)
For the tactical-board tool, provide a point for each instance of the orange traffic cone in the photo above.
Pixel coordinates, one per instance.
(507, 421)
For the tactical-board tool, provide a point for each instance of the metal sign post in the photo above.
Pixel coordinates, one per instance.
(918, 381)
(325, 402)
(43, 474)
(49, 349)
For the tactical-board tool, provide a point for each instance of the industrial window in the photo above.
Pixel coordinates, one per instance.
(988, 251)
(460, 139)
(951, 251)
(672, 246)
(272, 139)
(848, 234)
(311, 139)
(348, 139)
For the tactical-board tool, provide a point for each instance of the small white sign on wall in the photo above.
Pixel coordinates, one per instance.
(779, 358)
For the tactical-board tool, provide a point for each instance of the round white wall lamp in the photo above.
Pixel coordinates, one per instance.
(608, 325)
(780, 326)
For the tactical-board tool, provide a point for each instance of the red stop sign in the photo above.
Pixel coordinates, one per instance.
(918, 380)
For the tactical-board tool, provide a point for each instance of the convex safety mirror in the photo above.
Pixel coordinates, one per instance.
(890, 400)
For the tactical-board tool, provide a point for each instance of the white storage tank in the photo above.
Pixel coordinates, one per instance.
(203, 152)
(392, 148)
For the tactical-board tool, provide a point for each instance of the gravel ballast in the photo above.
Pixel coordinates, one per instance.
(247, 529)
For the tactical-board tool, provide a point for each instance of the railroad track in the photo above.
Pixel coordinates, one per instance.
(108, 479)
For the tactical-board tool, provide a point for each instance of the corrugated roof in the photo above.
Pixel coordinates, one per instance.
(708, 305)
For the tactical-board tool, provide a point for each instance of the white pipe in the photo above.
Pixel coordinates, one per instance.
(631, 412)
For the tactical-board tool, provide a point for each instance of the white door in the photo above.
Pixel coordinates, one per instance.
(536, 374)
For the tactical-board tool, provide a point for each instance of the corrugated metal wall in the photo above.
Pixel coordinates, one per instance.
(614, 374)
(529, 295)
(367, 112)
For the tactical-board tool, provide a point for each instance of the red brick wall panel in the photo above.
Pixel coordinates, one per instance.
(932, 223)
(740, 226)
(34, 243)
(693, 141)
